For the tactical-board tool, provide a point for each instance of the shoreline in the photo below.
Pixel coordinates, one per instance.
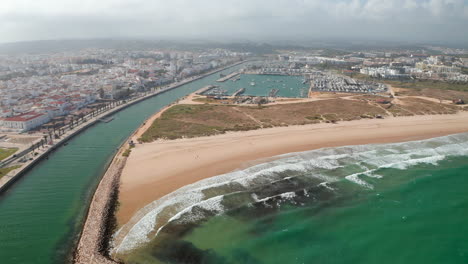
(151, 173)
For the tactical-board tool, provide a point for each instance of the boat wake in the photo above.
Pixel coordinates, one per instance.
(291, 177)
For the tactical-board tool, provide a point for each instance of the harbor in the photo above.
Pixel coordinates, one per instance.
(262, 85)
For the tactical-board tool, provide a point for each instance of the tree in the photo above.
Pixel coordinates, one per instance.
(81, 116)
(101, 93)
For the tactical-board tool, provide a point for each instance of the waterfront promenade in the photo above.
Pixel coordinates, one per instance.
(7, 180)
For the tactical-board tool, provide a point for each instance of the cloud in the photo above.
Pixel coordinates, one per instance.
(299, 19)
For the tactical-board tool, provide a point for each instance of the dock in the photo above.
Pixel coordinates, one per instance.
(227, 77)
(205, 89)
(273, 92)
(238, 92)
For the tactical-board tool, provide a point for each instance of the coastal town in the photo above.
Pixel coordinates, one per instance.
(43, 95)
(49, 90)
(233, 132)
(48, 99)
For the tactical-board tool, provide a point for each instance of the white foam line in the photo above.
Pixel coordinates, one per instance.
(212, 204)
(324, 184)
(355, 178)
(286, 195)
(397, 155)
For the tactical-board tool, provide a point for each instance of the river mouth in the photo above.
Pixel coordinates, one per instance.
(43, 212)
(332, 205)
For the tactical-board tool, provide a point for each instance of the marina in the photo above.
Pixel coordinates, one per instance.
(262, 85)
(334, 83)
(215, 91)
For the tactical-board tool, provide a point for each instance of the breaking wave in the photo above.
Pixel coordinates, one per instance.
(287, 178)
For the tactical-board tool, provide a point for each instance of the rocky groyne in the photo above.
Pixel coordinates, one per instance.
(92, 247)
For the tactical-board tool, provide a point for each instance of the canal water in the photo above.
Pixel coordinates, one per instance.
(41, 215)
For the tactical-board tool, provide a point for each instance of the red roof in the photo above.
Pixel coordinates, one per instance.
(50, 108)
(24, 117)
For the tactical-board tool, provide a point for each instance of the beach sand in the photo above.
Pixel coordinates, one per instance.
(158, 168)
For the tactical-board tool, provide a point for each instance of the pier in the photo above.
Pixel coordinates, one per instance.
(227, 77)
(238, 92)
(205, 89)
(273, 92)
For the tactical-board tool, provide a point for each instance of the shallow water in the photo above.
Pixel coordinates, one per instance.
(391, 203)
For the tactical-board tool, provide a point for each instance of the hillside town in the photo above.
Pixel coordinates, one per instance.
(44, 90)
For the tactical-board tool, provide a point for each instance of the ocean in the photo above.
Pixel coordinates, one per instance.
(384, 203)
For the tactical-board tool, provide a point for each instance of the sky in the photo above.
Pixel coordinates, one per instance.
(256, 20)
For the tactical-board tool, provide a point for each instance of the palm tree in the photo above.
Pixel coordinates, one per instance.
(53, 125)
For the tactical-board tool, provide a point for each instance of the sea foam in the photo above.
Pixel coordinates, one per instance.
(319, 167)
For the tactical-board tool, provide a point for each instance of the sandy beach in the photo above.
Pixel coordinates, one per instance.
(158, 168)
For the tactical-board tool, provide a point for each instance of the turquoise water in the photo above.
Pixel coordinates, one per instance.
(41, 214)
(422, 220)
(288, 86)
(393, 203)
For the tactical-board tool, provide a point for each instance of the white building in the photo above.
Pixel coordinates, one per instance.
(25, 122)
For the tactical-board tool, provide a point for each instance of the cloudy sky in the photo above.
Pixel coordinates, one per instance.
(399, 20)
